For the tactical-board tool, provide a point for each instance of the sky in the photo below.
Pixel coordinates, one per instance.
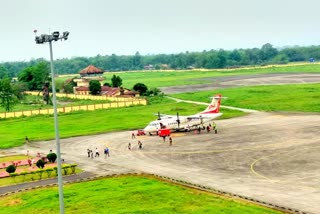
(123, 27)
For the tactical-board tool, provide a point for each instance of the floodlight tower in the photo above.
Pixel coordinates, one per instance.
(45, 38)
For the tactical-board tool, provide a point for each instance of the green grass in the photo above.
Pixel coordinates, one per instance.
(13, 158)
(7, 181)
(172, 78)
(290, 98)
(125, 194)
(41, 127)
(36, 102)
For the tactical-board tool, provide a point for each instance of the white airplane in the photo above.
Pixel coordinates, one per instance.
(185, 123)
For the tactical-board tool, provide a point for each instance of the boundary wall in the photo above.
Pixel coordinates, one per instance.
(117, 103)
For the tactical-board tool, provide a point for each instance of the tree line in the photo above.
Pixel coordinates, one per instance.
(267, 54)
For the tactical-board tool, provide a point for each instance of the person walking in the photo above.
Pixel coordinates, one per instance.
(214, 127)
(106, 152)
(89, 152)
(129, 146)
(133, 136)
(139, 144)
(26, 139)
(97, 153)
(170, 141)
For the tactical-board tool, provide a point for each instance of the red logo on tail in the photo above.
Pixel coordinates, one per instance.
(214, 107)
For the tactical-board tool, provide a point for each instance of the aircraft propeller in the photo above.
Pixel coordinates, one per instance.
(178, 120)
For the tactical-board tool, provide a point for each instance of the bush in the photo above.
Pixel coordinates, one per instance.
(24, 175)
(49, 171)
(141, 88)
(73, 168)
(11, 169)
(32, 175)
(40, 163)
(56, 170)
(65, 169)
(52, 157)
(40, 172)
(13, 175)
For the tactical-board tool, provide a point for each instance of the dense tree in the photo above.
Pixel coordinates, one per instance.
(68, 85)
(116, 81)
(205, 59)
(35, 76)
(136, 61)
(141, 88)
(94, 87)
(3, 72)
(267, 52)
(7, 94)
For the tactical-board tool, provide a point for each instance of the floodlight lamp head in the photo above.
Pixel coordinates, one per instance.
(38, 40)
(65, 35)
(56, 35)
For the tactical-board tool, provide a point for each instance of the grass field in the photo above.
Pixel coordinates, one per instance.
(291, 98)
(172, 78)
(13, 131)
(13, 158)
(36, 102)
(125, 194)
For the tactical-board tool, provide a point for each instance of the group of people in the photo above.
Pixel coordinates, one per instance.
(97, 154)
(139, 145)
(208, 128)
(107, 152)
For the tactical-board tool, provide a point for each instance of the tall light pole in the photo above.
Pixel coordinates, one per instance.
(44, 38)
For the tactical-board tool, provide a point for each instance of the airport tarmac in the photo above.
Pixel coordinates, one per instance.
(272, 157)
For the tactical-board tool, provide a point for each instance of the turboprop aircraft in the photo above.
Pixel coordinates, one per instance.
(186, 123)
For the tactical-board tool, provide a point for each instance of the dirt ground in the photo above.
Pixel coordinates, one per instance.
(273, 157)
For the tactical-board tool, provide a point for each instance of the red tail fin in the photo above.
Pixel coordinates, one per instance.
(214, 106)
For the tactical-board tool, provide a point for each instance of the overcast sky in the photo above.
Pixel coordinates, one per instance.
(123, 27)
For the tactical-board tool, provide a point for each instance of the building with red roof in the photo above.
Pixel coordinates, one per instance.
(93, 73)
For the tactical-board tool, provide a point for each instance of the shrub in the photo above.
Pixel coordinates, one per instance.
(24, 175)
(73, 168)
(56, 170)
(13, 175)
(40, 163)
(52, 157)
(141, 88)
(49, 171)
(11, 169)
(65, 169)
(40, 172)
(32, 173)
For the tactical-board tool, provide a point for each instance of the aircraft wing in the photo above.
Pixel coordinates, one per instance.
(165, 116)
(197, 117)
